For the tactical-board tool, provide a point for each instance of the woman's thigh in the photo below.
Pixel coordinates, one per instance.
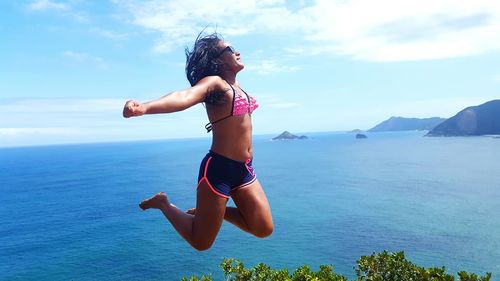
(252, 203)
(210, 209)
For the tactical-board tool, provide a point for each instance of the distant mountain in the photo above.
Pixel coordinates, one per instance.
(478, 120)
(286, 135)
(407, 124)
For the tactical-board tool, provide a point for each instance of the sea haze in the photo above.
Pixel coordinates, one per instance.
(71, 212)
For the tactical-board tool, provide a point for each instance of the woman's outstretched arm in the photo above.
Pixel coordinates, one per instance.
(175, 101)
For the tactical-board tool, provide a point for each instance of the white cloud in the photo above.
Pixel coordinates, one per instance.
(271, 66)
(110, 34)
(496, 78)
(393, 30)
(178, 21)
(80, 57)
(52, 121)
(44, 5)
(14, 132)
(27, 136)
(384, 30)
(62, 8)
(42, 113)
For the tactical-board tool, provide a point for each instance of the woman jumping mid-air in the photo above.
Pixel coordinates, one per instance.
(226, 171)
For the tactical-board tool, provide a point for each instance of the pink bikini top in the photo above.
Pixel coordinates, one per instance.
(241, 105)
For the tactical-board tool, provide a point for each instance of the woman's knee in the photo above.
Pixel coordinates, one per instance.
(264, 230)
(202, 245)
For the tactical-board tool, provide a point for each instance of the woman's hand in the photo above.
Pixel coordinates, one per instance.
(133, 108)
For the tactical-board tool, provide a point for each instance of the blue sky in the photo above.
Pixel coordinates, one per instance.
(67, 67)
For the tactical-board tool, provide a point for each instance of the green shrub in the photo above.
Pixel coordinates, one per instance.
(388, 267)
(383, 266)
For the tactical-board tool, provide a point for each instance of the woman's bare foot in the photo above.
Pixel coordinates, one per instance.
(156, 202)
(191, 211)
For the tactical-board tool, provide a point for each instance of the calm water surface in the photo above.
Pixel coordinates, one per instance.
(70, 212)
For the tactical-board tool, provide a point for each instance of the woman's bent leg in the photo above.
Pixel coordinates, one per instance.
(201, 229)
(232, 215)
(253, 213)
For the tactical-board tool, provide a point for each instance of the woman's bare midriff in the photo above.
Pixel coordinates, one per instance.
(232, 138)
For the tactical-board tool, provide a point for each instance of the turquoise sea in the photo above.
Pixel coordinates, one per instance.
(71, 212)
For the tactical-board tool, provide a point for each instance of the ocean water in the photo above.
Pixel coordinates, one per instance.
(71, 212)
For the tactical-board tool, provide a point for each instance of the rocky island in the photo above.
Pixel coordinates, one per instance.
(286, 135)
(478, 120)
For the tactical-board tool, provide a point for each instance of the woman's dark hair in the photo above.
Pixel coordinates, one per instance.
(204, 61)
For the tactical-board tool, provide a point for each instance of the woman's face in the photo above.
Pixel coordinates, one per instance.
(231, 58)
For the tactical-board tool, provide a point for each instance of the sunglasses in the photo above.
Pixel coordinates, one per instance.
(228, 49)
